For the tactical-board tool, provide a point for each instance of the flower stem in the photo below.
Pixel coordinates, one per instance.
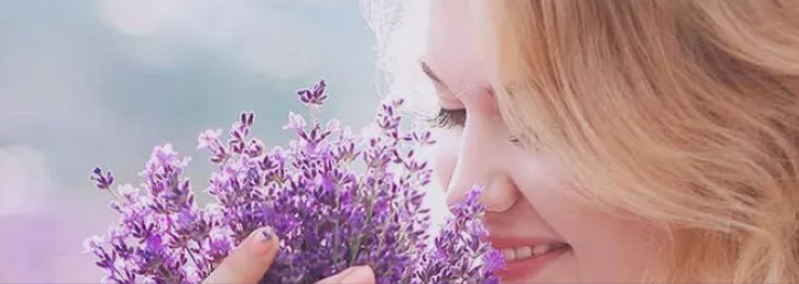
(355, 249)
(115, 194)
(191, 255)
(337, 228)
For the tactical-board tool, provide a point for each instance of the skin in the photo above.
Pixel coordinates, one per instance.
(526, 192)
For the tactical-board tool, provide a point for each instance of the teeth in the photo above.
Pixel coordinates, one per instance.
(509, 253)
(542, 249)
(517, 253)
(523, 252)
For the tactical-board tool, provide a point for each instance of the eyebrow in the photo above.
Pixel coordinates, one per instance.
(429, 72)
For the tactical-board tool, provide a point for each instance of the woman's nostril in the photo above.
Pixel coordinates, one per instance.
(501, 194)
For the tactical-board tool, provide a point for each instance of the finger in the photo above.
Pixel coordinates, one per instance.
(248, 262)
(352, 275)
(338, 277)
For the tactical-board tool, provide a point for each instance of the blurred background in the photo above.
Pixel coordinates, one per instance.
(100, 82)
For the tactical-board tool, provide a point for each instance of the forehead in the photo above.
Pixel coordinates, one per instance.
(452, 51)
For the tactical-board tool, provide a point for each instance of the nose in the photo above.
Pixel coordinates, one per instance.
(484, 160)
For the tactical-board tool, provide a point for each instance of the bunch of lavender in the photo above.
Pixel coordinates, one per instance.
(335, 199)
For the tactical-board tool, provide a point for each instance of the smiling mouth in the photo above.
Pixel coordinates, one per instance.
(528, 252)
(522, 262)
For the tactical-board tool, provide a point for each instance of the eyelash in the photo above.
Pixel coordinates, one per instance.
(449, 118)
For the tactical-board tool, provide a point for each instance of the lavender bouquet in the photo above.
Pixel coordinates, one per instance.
(334, 198)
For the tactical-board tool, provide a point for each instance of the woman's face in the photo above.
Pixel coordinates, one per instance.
(545, 236)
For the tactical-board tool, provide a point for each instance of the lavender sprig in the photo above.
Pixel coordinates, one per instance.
(460, 254)
(335, 199)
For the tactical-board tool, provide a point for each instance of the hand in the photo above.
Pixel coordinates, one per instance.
(248, 263)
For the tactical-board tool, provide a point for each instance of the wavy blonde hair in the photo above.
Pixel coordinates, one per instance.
(683, 112)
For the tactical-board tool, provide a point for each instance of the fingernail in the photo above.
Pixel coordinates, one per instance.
(267, 234)
(360, 274)
(263, 242)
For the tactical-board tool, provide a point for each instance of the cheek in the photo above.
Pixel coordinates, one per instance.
(607, 248)
(613, 249)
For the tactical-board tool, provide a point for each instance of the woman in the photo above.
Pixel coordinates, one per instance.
(621, 141)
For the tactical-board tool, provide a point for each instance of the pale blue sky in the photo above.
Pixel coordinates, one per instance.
(83, 82)
(86, 82)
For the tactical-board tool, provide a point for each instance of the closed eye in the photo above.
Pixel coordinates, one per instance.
(449, 118)
(456, 118)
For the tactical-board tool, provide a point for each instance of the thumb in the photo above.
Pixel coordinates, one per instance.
(248, 262)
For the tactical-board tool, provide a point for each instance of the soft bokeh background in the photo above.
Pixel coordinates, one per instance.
(100, 82)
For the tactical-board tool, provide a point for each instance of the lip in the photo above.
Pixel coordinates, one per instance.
(500, 242)
(520, 270)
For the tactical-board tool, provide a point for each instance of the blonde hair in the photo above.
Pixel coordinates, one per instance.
(682, 113)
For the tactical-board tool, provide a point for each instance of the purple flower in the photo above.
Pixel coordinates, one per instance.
(296, 122)
(103, 180)
(335, 199)
(315, 96)
(460, 250)
(209, 139)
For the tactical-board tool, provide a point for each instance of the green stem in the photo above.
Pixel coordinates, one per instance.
(313, 112)
(355, 249)
(411, 242)
(336, 231)
(167, 274)
(115, 194)
(191, 255)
